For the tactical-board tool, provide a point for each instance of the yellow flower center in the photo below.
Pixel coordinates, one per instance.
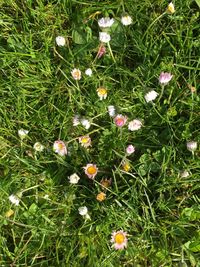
(126, 167)
(85, 140)
(119, 238)
(60, 146)
(102, 91)
(91, 170)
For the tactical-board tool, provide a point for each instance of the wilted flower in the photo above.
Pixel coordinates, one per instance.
(111, 110)
(83, 211)
(101, 196)
(91, 170)
(170, 8)
(86, 123)
(120, 120)
(76, 74)
(105, 22)
(104, 37)
(22, 133)
(150, 96)
(76, 120)
(119, 239)
(9, 213)
(130, 149)
(60, 41)
(74, 178)
(126, 166)
(14, 200)
(88, 72)
(38, 147)
(59, 147)
(134, 125)
(101, 51)
(85, 141)
(102, 93)
(184, 174)
(126, 20)
(165, 77)
(105, 183)
(192, 146)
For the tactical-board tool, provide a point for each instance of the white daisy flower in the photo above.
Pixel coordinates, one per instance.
(76, 120)
(86, 123)
(192, 146)
(59, 147)
(104, 37)
(74, 178)
(38, 147)
(106, 22)
(88, 72)
(150, 96)
(134, 125)
(171, 8)
(83, 211)
(14, 200)
(22, 133)
(126, 20)
(60, 41)
(111, 110)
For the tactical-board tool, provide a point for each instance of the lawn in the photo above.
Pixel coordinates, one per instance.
(99, 133)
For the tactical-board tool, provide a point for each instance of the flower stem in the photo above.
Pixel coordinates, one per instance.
(111, 53)
(161, 94)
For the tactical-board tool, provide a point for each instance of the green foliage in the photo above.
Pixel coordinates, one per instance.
(153, 202)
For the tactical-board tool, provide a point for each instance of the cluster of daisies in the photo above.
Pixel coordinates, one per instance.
(118, 238)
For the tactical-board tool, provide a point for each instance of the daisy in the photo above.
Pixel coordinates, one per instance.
(38, 147)
(150, 96)
(184, 174)
(192, 146)
(76, 120)
(105, 22)
(74, 178)
(105, 183)
(91, 170)
(60, 41)
(85, 141)
(86, 123)
(83, 211)
(111, 110)
(126, 20)
(165, 77)
(88, 72)
(171, 8)
(14, 200)
(102, 93)
(9, 213)
(126, 166)
(130, 149)
(120, 120)
(59, 147)
(22, 133)
(76, 74)
(101, 196)
(104, 37)
(119, 239)
(134, 125)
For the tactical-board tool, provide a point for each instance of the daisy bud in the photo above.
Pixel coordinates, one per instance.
(192, 146)
(104, 37)
(151, 96)
(60, 41)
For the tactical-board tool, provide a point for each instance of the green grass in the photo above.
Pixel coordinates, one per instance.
(156, 207)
